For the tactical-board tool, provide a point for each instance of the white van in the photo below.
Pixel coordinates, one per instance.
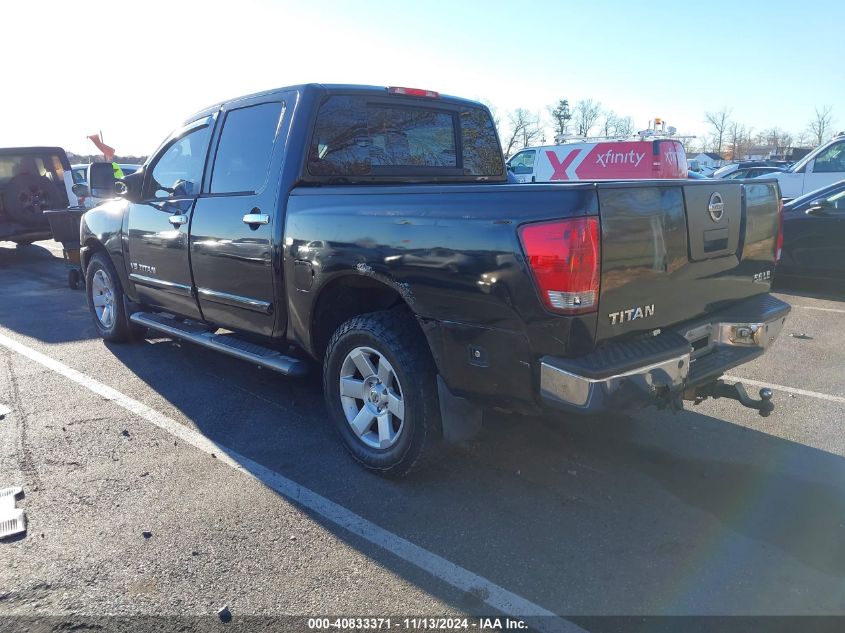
(604, 160)
(823, 166)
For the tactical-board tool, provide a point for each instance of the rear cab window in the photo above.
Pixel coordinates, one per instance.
(383, 138)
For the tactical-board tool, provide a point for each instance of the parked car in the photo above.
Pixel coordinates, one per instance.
(814, 235)
(751, 172)
(373, 231)
(823, 166)
(32, 180)
(600, 160)
(730, 168)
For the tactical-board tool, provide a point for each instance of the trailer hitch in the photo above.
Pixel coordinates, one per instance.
(736, 391)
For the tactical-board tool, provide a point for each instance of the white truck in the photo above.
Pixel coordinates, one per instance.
(823, 166)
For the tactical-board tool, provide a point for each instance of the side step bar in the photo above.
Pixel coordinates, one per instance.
(225, 343)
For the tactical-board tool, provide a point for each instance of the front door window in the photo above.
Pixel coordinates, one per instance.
(177, 173)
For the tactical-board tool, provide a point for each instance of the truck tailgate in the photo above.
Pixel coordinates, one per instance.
(675, 250)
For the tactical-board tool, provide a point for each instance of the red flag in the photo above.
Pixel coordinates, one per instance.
(108, 152)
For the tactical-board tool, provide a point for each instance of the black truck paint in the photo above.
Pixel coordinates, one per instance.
(445, 248)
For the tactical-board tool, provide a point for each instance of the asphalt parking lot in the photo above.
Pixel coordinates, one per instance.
(161, 478)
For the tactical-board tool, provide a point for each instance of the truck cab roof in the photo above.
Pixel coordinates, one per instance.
(318, 89)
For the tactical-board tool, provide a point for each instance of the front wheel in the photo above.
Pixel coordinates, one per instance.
(105, 301)
(380, 390)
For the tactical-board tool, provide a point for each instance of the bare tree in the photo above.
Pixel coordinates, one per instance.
(691, 144)
(624, 126)
(805, 139)
(820, 126)
(739, 138)
(585, 116)
(617, 126)
(561, 116)
(524, 130)
(778, 140)
(718, 122)
(608, 124)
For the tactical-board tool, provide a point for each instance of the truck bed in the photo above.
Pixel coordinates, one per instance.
(457, 248)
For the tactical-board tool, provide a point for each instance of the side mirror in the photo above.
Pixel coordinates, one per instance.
(509, 166)
(101, 180)
(80, 190)
(130, 186)
(819, 207)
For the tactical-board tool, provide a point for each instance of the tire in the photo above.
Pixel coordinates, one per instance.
(383, 442)
(102, 287)
(27, 196)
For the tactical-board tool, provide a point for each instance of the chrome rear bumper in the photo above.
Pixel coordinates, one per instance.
(635, 374)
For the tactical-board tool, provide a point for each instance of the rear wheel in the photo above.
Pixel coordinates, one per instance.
(379, 385)
(105, 301)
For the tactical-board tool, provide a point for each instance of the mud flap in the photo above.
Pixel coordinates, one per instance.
(460, 418)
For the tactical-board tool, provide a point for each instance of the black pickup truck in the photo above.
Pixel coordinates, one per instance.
(374, 231)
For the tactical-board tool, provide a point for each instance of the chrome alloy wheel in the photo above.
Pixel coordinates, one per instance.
(102, 295)
(371, 398)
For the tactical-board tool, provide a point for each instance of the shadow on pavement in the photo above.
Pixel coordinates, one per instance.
(811, 288)
(616, 515)
(29, 275)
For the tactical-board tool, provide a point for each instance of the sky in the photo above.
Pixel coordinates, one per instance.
(134, 70)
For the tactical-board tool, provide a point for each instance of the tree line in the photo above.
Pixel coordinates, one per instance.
(725, 136)
(128, 159)
(524, 127)
(733, 140)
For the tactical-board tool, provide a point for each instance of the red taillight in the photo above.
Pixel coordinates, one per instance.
(565, 257)
(413, 92)
(779, 238)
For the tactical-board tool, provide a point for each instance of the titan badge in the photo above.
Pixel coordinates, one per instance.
(631, 314)
(142, 268)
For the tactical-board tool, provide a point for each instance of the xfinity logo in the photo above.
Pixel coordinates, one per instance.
(672, 158)
(632, 314)
(612, 158)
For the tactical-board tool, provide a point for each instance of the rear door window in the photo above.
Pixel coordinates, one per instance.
(354, 137)
(246, 145)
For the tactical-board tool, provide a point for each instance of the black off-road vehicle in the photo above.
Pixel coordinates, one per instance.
(32, 180)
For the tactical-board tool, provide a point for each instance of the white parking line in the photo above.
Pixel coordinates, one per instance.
(822, 309)
(795, 390)
(458, 577)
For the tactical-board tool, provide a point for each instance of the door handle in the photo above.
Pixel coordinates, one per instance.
(256, 218)
(178, 220)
